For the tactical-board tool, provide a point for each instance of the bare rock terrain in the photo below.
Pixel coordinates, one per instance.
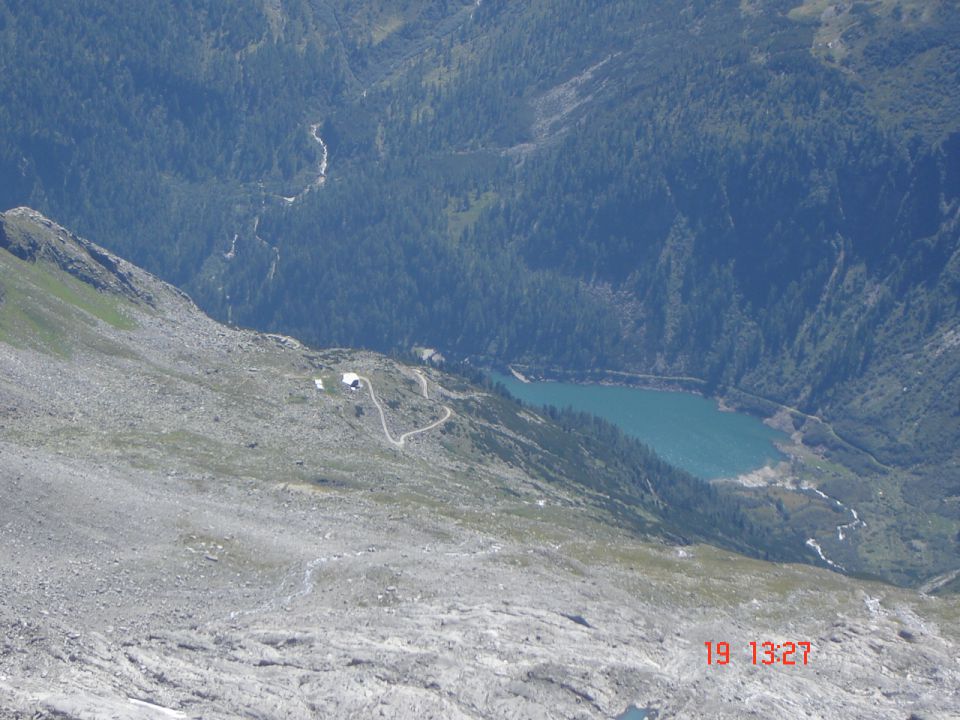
(189, 528)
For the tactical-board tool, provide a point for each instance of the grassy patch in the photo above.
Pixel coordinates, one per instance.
(463, 213)
(808, 11)
(386, 27)
(25, 326)
(60, 285)
(44, 307)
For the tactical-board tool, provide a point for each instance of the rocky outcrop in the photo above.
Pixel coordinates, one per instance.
(30, 236)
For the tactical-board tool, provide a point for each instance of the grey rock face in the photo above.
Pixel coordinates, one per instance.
(30, 236)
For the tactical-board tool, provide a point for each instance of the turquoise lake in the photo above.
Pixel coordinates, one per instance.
(686, 430)
(633, 713)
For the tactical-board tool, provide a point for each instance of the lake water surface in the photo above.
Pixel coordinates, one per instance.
(634, 713)
(686, 430)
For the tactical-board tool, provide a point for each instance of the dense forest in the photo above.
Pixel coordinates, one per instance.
(765, 196)
(640, 490)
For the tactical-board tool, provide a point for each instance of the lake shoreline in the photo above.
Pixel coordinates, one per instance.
(641, 381)
(776, 416)
(729, 399)
(659, 421)
(808, 433)
(788, 420)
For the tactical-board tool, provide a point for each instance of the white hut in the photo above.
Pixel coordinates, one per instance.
(351, 380)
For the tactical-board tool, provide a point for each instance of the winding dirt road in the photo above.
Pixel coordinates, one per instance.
(399, 442)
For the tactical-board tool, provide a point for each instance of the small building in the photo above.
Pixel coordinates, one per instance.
(318, 382)
(351, 380)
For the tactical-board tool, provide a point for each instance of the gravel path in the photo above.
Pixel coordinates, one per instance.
(399, 442)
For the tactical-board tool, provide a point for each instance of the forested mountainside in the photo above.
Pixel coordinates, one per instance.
(761, 195)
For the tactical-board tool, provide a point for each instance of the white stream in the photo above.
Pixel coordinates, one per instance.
(816, 546)
(321, 167)
(289, 200)
(842, 530)
(302, 589)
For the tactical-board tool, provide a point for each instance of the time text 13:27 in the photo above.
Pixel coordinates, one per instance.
(762, 653)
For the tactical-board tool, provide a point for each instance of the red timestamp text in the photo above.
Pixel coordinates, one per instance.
(762, 653)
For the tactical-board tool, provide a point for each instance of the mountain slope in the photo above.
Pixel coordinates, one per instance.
(194, 530)
(761, 195)
(67, 297)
